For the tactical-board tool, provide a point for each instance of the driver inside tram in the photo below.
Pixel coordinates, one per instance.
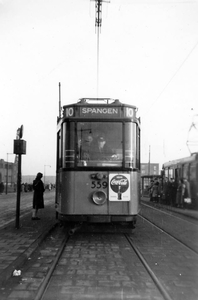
(101, 151)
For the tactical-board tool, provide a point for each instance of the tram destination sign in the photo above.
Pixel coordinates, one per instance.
(108, 112)
(99, 112)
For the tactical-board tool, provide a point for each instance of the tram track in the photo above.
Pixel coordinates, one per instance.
(95, 262)
(157, 282)
(163, 292)
(179, 227)
(172, 236)
(46, 281)
(190, 216)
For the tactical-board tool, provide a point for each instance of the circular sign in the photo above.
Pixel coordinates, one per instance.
(119, 183)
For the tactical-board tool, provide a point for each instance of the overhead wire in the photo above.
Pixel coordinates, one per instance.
(150, 106)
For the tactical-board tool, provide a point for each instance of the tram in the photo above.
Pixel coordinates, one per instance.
(186, 169)
(98, 162)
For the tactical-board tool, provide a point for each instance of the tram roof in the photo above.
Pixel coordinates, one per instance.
(189, 159)
(99, 101)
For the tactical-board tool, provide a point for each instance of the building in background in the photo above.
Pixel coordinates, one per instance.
(149, 169)
(29, 179)
(8, 176)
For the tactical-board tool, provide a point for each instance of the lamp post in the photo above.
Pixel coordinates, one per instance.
(149, 163)
(44, 173)
(7, 173)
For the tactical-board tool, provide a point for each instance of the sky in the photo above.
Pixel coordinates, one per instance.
(148, 57)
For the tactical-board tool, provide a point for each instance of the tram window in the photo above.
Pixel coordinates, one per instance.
(170, 175)
(137, 147)
(186, 171)
(99, 144)
(130, 145)
(68, 144)
(193, 172)
(59, 165)
(180, 171)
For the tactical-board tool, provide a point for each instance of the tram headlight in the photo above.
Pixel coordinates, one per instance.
(98, 176)
(99, 197)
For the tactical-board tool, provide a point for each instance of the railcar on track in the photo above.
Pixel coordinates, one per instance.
(186, 169)
(98, 162)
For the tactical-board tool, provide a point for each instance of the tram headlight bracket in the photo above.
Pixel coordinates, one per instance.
(98, 176)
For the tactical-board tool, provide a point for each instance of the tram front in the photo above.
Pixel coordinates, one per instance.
(98, 162)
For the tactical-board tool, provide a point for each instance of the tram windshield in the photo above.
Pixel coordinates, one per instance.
(100, 144)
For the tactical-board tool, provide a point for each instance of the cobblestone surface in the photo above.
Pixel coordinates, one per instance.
(100, 266)
(174, 264)
(184, 229)
(16, 245)
(96, 266)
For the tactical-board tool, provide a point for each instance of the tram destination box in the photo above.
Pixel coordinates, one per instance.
(19, 147)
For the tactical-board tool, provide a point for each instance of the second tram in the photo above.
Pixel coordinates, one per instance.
(98, 162)
(186, 169)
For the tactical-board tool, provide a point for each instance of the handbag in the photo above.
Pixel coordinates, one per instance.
(187, 200)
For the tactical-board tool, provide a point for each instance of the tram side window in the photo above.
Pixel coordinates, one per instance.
(138, 147)
(166, 173)
(186, 171)
(130, 145)
(180, 171)
(59, 160)
(68, 144)
(193, 173)
(170, 175)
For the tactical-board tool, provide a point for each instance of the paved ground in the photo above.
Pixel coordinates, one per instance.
(183, 211)
(16, 245)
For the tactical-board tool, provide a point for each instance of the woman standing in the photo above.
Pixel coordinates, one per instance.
(38, 200)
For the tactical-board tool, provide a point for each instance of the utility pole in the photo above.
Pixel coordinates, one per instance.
(192, 140)
(98, 25)
(59, 85)
(19, 148)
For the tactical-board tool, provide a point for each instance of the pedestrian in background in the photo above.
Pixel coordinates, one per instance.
(150, 189)
(38, 200)
(173, 192)
(1, 187)
(155, 192)
(180, 194)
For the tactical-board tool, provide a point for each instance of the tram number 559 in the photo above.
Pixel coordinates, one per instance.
(99, 184)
